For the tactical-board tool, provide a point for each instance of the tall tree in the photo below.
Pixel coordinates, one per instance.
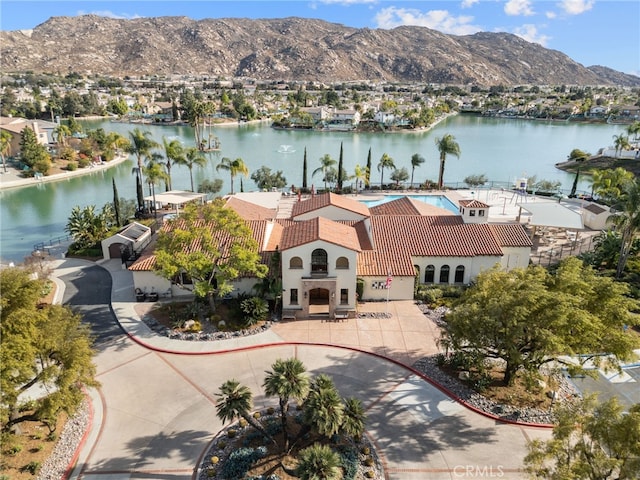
(174, 153)
(86, 226)
(234, 167)
(226, 250)
(47, 346)
(340, 169)
(326, 164)
(192, 157)
(62, 132)
(621, 142)
(529, 317)
(304, 170)
(634, 129)
(447, 145)
(287, 379)
(627, 221)
(5, 147)
(236, 401)
(385, 162)
(590, 441)
(154, 173)
(116, 202)
(141, 144)
(369, 166)
(416, 161)
(399, 175)
(362, 177)
(33, 154)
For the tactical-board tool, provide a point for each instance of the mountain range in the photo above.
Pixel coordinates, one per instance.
(289, 49)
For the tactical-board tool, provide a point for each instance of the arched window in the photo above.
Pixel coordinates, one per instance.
(444, 274)
(429, 274)
(319, 261)
(459, 274)
(295, 262)
(342, 262)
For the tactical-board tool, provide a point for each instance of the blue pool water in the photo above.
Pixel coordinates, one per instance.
(435, 200)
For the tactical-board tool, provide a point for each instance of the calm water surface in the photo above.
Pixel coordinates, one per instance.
(501, 149)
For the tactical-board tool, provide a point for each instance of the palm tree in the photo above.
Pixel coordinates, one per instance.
(5, 147)
(608, 184)
(318, 462)
(140, 146)
(627, 220)
(416, 161)
(353, 418)
(447, 145)
(621, 142)
(154, 173)
(634, 129)
(234, 167)
(236, 401)
(287, 379)
(323, 408)
(326, 164)
(361, 174)
(61, 133)
(385, 162)
(193, 157)
(173, 152)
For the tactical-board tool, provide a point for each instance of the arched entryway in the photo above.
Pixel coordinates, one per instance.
(319, 301)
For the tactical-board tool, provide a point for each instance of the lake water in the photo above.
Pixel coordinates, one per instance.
(501, 149)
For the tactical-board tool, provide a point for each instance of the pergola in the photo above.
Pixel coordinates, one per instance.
(176, 198)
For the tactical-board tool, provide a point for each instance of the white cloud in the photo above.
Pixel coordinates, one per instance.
(110, 14)
(440, 20)
(468, 3)
(518, 7)
(550, 15)
(576, 7)
(530, 33)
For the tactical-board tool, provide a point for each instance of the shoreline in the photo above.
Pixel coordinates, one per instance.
(13, 179)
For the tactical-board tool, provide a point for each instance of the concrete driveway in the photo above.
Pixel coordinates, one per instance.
(155, 411)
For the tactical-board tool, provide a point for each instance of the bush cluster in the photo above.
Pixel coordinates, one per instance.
(241, 461)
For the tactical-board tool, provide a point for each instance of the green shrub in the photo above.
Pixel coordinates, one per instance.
(369, 462)
(222, 444)
(83, 161)
(256, 415)
(359, 287)
(14, 449)
(31, 467)
(240, 461)
(231, 433)
(72, 166)
(242, 422)
(255, 310)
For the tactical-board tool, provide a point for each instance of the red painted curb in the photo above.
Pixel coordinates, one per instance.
(83, 440)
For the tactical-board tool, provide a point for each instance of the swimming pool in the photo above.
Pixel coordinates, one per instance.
(435, 200)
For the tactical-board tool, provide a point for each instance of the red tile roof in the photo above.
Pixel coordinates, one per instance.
(317, 202)
(319, 228)
(510, 235)
(250, 211)
(473, 204)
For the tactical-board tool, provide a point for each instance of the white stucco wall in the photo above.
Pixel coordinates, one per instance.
(344, 278)
(515, 257)
(472, 266)
(401, 288)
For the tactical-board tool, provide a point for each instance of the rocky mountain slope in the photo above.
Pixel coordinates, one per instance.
(289, 49)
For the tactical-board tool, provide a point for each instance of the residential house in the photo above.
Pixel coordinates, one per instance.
(15, 125)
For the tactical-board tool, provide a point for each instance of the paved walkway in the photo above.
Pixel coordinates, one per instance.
(154, 414)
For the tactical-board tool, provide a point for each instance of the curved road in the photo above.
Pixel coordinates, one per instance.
(158, 409)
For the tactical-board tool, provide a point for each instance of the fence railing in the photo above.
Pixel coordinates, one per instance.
(51, 242)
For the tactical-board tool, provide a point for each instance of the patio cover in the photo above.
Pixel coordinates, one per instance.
(176, 197)
(552, 214)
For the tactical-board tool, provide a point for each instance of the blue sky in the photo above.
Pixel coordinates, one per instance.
(592, 32)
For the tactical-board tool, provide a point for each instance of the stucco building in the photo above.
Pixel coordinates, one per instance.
(331, 242)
